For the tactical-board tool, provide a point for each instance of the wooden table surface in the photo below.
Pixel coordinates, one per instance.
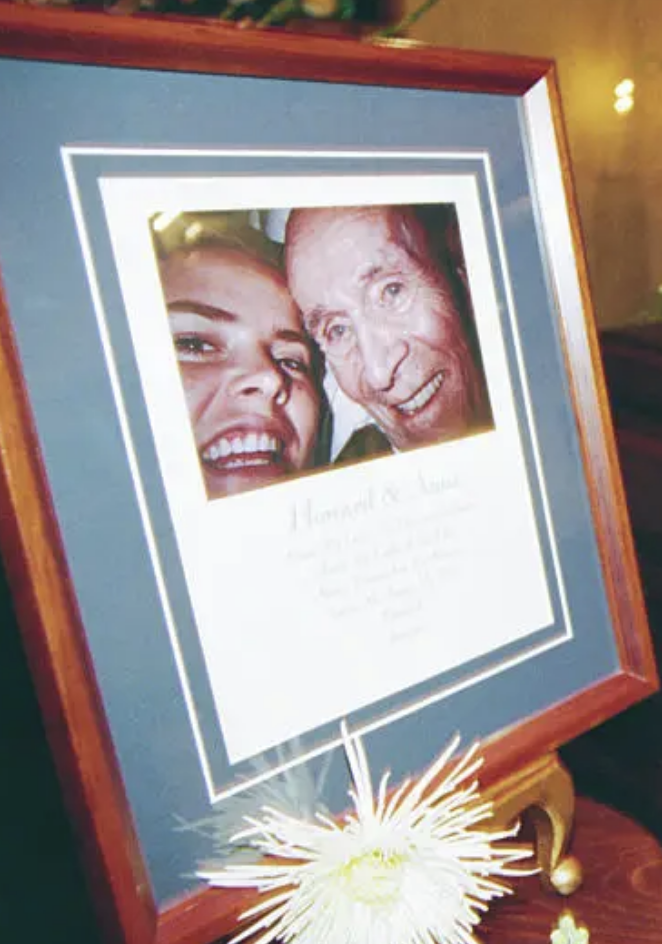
(620, 900)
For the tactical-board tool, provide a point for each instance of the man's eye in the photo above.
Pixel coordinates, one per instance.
(392, 293)
(337, 334)
(193, 347)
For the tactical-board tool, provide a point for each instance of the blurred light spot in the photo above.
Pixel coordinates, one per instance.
(624, 96)
(624, 104)
(626, 87)
(163, 221)
(192, 232)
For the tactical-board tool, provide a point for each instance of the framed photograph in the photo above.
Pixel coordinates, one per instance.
(302, 421)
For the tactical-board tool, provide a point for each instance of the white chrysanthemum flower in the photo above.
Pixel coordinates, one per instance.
(409, 868)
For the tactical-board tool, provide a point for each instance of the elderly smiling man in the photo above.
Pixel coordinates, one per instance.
(387, 312)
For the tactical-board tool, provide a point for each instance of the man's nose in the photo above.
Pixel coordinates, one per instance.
(259, 375)
(382, 352)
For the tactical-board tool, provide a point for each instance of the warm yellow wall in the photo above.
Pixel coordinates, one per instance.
(617, 160)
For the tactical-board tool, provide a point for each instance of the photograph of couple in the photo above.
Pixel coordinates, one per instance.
(313, 337)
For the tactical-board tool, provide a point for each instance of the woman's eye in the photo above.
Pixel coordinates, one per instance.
(192, 347)
(295, 365)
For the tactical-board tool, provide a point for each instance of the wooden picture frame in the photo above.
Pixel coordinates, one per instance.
(63, 447)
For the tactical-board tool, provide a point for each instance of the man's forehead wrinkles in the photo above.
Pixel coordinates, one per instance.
(384, 257)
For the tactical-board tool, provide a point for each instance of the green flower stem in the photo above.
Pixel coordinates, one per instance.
(406, 22)
(280, 12)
